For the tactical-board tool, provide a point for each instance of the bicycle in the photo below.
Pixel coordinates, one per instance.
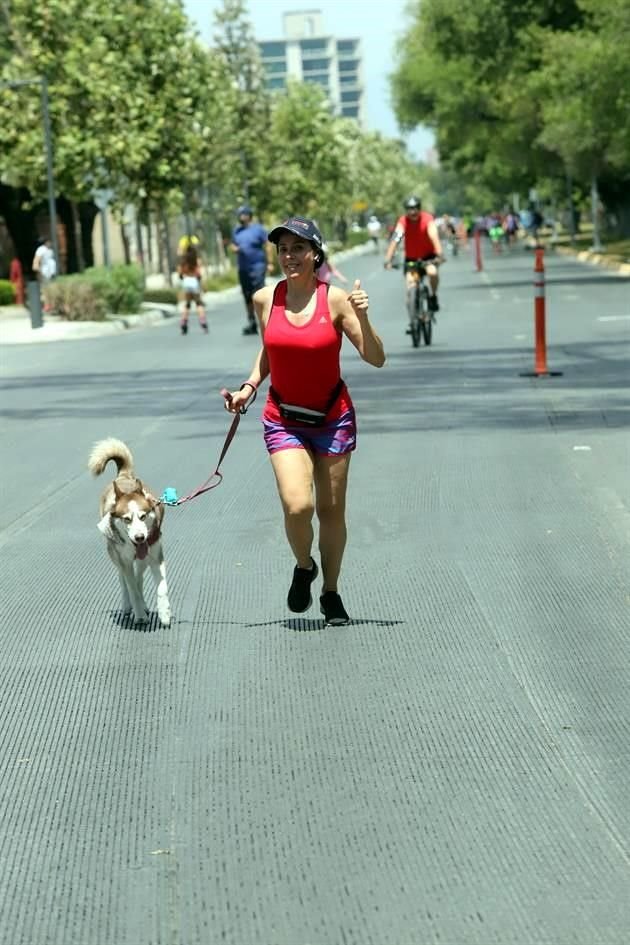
(420, 317)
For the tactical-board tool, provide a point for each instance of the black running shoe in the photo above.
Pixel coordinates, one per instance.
(250, 329)
(299, 598)
(184, 328)
(434, 305)
(333, 610)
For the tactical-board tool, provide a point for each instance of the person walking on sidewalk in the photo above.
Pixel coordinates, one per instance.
(249, 242)
(189, 269)
(308, 418)
(44, 266)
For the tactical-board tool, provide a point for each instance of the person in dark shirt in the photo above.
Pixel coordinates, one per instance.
(250, 243)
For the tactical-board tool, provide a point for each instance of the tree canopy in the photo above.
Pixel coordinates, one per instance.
(519, 91)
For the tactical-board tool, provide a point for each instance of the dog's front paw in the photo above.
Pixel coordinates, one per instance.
(141, 616)
(164, 613)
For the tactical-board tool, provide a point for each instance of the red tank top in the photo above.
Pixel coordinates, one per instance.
(303, 360)
(418, 243)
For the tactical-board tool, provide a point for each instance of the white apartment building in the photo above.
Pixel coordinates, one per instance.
(308, 54)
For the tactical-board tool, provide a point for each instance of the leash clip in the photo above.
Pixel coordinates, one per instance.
(169, 496)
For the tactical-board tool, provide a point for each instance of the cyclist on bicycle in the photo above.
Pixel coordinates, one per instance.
(422, 244)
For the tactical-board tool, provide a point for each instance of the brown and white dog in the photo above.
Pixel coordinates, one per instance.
(131, 520)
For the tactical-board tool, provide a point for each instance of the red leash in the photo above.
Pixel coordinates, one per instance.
(169, 496)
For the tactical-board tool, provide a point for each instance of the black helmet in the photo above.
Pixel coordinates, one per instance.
(412, 202)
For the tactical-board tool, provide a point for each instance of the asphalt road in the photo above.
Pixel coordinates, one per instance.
(453, 767)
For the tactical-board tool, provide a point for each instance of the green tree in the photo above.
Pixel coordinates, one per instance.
(583, 86)
(307, 169)
(461, 70)
(135, 99)
(382, 172)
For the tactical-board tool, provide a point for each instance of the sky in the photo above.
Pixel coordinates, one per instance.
(378, 26)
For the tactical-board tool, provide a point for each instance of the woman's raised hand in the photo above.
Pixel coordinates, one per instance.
(358, 298)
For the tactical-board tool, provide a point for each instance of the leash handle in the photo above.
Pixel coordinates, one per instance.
(250, 400)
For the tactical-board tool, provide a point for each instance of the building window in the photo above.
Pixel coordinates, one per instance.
(276, 83)
(315, 65)
(350, 111)
(314, 45)
(349, 65)
(279, 66)
(347, 46)
(272, 50)
(352, 98)
(350, 79)
(317, 80)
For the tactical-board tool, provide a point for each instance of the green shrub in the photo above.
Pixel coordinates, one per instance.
(7, 292)
(224, 280)
(76, 299)
(356, 239)
(122, 287)
(167, 296)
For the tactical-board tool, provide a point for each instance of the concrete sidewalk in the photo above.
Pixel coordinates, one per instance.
(16, 328)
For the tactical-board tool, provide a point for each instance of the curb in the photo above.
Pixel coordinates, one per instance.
(594, 259)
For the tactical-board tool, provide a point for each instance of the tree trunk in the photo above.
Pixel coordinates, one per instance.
(125, 242)
(76, 229)
(139, 244)
(21, 225)
(64, 209)
(572, 221)
(87, 214)
(167, 247)
(597, 242)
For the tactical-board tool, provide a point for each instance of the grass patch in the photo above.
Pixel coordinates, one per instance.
(161, 296)
(224, 280)
(7, 292)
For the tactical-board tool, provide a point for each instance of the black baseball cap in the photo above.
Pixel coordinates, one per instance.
(299, 226)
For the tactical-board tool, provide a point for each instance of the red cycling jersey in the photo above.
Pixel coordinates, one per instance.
(304, 359)
(418, 243)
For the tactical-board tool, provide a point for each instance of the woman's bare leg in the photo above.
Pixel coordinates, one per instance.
(331, 480)
(293, 469)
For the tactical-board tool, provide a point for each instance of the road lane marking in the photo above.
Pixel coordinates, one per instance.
(613, 318)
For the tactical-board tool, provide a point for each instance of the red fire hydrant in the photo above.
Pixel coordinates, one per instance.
(16, 276)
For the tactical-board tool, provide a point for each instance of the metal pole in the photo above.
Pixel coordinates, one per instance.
(597, 242)
(52, 212)
(105, 232)
(34, 303)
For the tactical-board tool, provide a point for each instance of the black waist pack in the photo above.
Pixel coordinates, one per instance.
(306, 415)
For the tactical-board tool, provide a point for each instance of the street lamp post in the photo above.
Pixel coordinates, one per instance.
(52, 212)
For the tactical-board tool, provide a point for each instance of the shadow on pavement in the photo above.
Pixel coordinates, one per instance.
(441, 388)
(308, 625)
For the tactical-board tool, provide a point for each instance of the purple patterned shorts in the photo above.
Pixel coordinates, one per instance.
(334, 439)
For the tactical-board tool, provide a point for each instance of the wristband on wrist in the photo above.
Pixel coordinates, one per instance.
(251, 384)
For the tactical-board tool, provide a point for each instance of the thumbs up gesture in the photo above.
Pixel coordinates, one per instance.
(358, 299)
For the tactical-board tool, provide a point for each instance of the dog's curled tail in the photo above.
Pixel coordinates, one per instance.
(111, 448)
